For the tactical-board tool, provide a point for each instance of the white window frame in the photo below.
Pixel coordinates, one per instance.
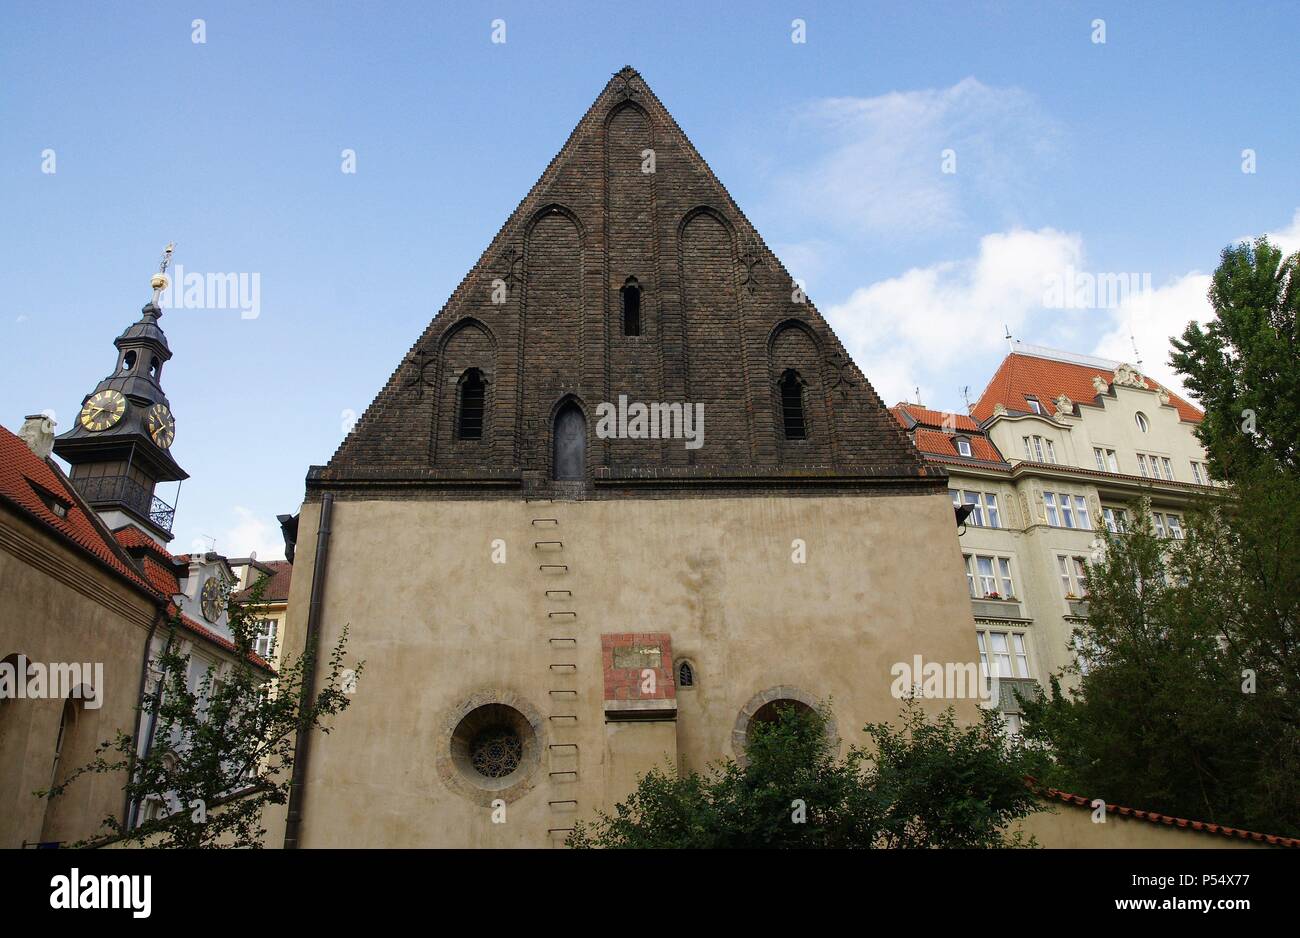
(1081, 513)
(963, 447)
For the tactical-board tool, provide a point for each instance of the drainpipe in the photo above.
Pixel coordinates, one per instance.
(128, 807)
(302, 746)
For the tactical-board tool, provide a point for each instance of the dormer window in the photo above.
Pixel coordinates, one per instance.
(1034, 404)
(963, 446)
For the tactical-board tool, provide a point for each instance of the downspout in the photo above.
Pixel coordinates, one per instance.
(302, 746)
(128, 807)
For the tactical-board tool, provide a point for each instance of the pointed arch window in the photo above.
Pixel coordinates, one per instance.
(685, 674)
(570, 441)
(631, 295)
(469, 416)
(792, 416)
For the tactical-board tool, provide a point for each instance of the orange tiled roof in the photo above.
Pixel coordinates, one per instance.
(280, 573)
(937, 443)
(23, 475)
(1022, 374)
(1167, 820)
(932, 418)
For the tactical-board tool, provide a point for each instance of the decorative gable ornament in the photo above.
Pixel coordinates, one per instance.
(999, 409)
(1127, 376)
(1164, 396)
(1064, 406)
(1099, 384)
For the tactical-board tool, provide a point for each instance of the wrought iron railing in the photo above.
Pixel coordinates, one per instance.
(130, 493)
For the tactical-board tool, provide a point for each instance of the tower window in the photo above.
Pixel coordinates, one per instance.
(631, 294)
(128, 361)
(155, 367)
(792, 419)
(469, 423)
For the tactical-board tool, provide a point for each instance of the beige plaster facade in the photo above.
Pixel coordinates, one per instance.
(58, 606)
(441, 626)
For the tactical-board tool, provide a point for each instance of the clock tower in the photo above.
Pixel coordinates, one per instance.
(119, 447)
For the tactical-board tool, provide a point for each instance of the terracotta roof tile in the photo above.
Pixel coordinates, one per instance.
(24, 477)
(1065, 797)
(280, 573)
(937, 419)
(1021, 374)
(937, 443)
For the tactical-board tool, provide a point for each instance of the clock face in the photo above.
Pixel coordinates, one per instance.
(102, 410)
(162, 425)
(210, 599)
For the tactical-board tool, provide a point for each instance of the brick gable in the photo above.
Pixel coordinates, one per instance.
(719, 325)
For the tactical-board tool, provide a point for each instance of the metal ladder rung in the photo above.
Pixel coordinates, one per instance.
(563, 801)
(541, 521)
(538, 545)
(556, 594)
(559, 830)
(573, 692)
(554, 566)
(552, 615)
(562, 665)
(564, 716)
(554, 640)
(562, 746)
(573, 772)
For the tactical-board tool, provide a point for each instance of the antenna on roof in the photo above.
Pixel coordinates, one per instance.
(1137, 356)
(965, 396)
(918, 396)
(1011, 345)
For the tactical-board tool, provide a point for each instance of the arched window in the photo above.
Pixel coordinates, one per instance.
(1141, 419)
(631, 294)
(570, 440)
(685, 675)
(469, 419)
(155, 367)
(128, 361)
(791, 387)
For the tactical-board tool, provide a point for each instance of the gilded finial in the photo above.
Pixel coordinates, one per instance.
(159, 280)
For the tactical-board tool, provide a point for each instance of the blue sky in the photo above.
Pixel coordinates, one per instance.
(1123, 156)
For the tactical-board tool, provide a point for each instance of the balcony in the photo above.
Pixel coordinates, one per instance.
(1008, 687)
(995, 607)
(106, 491)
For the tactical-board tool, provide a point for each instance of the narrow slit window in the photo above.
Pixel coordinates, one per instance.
(792, 406)
(469, 425)
(631, 293)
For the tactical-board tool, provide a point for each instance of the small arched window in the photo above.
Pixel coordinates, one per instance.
(469, 417)
(128, 361)
(1141, 419)
(570, 442)
(631, 294)
(155, 367)
(685, 675)
(792, 420)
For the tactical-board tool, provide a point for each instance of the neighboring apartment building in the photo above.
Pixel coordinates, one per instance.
(272, 606)
(1058, 446)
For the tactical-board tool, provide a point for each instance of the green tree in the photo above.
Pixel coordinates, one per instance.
(1244, 365)
(215, 755)
(1188, 704)
(922, 784)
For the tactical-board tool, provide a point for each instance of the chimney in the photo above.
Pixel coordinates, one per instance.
(38, 433)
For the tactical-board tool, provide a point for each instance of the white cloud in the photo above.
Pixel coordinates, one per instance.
(1152, 318)
(1288, 239)
(915, 329)
(251, 532)
(882, 172)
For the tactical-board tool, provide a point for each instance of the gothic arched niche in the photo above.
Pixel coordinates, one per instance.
(569, 440)
(467, 351)
(794, 349)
